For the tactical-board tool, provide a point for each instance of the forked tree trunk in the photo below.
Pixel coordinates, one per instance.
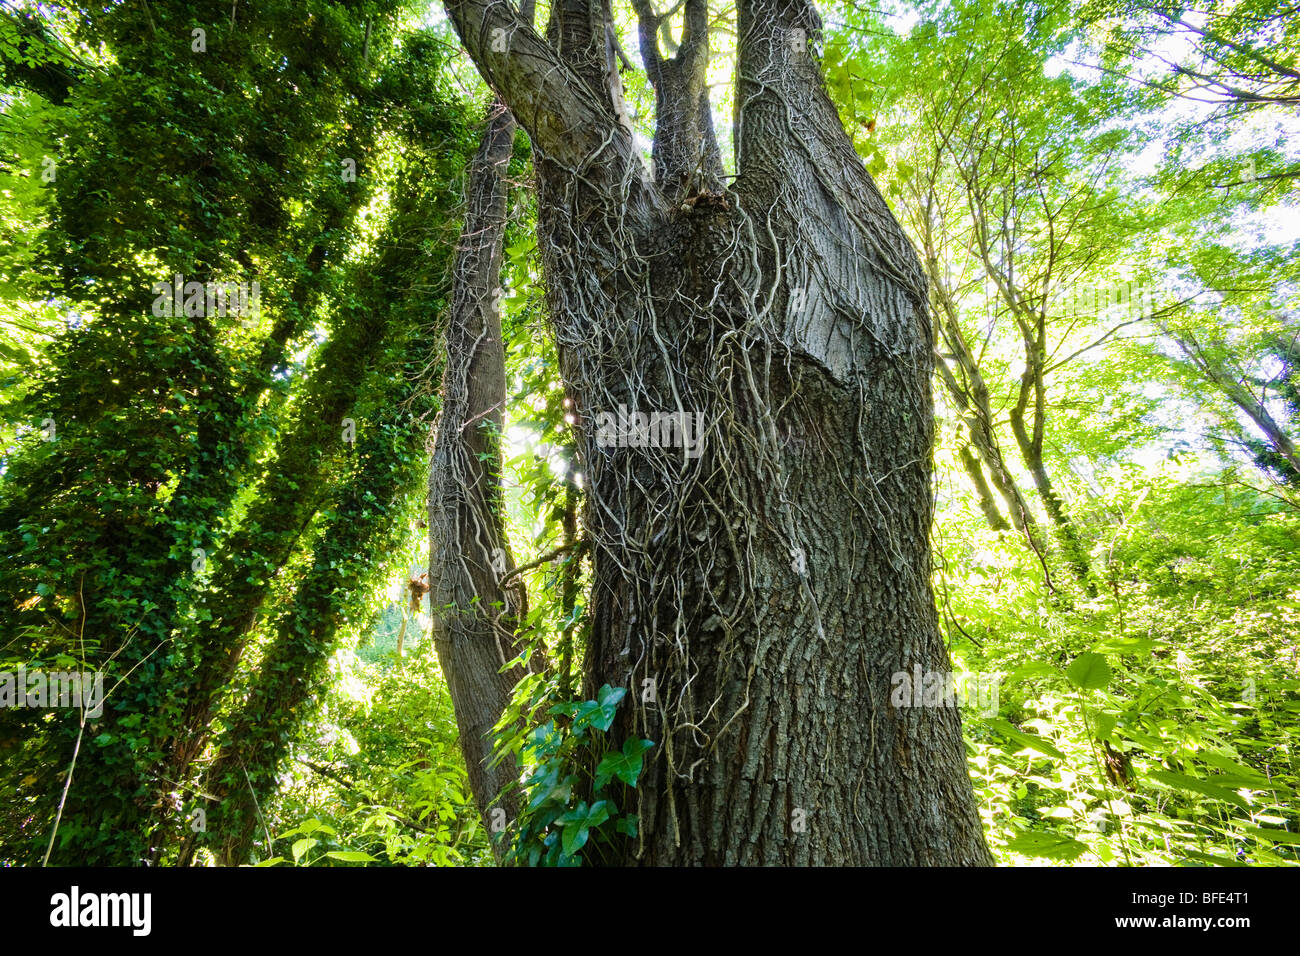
(758, 590)
(1029, 439)
(969, 392)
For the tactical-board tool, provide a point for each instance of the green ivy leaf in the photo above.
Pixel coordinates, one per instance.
(579, 822)
(626, 765)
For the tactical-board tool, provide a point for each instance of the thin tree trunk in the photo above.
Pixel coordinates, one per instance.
(1216, 373)
(569, 586)
(1033, 393)
(983, 494)
(1031, 452)
(971, 394)
(245, 771)
(366, 495)
(287, 501)
(475, 615)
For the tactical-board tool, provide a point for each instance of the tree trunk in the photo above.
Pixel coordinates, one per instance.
(763, 564)
(1033, 392)
(1213, 369)
(971, 395)
(294, 671)
(475, 613)
(983, 493)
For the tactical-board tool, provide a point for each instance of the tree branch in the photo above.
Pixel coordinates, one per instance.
(565, 118)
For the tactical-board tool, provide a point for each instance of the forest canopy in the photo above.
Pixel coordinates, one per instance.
(630, 433)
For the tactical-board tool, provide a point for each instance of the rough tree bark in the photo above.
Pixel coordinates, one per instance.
(769, 582)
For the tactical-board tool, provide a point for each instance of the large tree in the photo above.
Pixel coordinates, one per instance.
(768, 582)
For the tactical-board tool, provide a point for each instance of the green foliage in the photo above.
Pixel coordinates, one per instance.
(1158, 723)
(165, 449)
(379, 765)
(567, 808)
(191, 524)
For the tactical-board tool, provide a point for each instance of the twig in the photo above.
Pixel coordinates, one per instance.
(252, 792)
(577, 546)
(66, 784)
